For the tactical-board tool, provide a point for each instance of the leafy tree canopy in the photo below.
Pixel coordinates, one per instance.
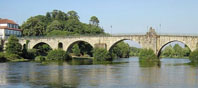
(42, 25)
(13, 46)
(94, 21)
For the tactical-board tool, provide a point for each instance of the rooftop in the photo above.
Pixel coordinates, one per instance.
(2, 21)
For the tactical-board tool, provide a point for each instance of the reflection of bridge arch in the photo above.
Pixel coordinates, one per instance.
(163, 45)
(72, 44)
(118, 41)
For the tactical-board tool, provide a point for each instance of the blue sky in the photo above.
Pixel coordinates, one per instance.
(125, 16)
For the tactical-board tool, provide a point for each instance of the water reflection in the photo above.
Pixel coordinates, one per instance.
(133, 74)
(149, 63)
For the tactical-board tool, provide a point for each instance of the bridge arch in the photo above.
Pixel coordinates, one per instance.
(40, 43)
(68, 49)
(118, 41)
(164, 44)
(42, 48)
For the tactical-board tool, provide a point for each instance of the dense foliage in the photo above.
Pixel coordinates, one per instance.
(58, 23)
(147, 55)
(176, 51)
(134, 51)
(58, 54)
(101, 54)
(13, 46)
(82, 49)
(194, 56)
(121, 50)
(76, 50)
(42, 49)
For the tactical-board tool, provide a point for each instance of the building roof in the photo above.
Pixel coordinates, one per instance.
(5, 27)
(7, 21)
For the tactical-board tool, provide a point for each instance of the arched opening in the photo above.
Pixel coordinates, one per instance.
(124, 49)
(80, 48)
(42, 49)
(24, 46)
(60, 45)
(174, 49)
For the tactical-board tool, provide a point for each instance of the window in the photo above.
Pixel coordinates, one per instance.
(8, 25)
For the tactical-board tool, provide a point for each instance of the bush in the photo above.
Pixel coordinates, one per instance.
(194, 56)
(31, 53)
(13, 46)
(40, 58)
(12, 57)
(147, 55)
(58, 55)
(101, 54)
(76, 50)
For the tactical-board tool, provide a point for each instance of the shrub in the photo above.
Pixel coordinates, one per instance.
(147, 55)
(32, 53)
(101, 54)
(58, 54)
(194, 56)
(11, 57)
(13, 46)
(40, 58)
(76, 50)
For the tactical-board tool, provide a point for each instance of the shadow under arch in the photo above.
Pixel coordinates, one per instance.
(121, 41)
(42, 48)
(160, 50)
(24, 46)
(41, 43)
(60, 45)
(69, 49)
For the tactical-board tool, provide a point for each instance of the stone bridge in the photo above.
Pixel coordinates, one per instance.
(149, 40)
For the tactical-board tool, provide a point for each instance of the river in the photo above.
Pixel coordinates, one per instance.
(171, 73)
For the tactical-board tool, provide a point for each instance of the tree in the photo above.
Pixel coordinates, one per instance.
(59, 33)
(121, 50)
(178, 50)
(134, 51)
(94, 21)
(42, 49)
(101, 54)
(25, 50)
(42, 25)
(85, 48)
(58, 54)
(194, 56)
(168, 51)
(147, 55)
(34, 26)
(55, 25)
(74, 26)
(186, 51)
(76, 50)
(13, 46)
(48, 17)
(73, 15)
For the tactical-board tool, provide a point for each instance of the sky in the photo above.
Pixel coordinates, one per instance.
(125, 16)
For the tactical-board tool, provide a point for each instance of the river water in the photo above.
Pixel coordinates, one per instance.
(171, 73)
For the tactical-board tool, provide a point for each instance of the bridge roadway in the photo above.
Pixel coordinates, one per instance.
(149, 40)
